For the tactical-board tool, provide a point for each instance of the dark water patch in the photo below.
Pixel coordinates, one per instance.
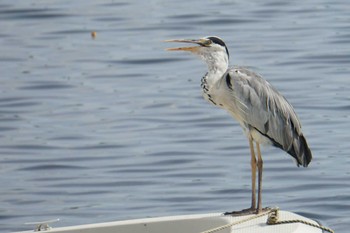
(29, 202)
(44, 16)
(109, 19)
(300, 11)
(68, 138)
(46, 86)
(22, 11)
(85, 158)
(276, 4)
(317, 216)
(341, 198)
(6, 217)
(90, 60)
(193, 140)
(340, 39)
(155, 120)
(158, 105)
(298, 63)
(30, 147)
(3, 5)
(11, 59)
(304, 188)
(32, 13)
(148, 61)
(90, 192)
(2, 35)
(187, 199)
(237, 148)
(345, 41)
(333, 107)
(51, 167)
(280, 50)
(333, 208)
(162, 27)
(13, 112)
(49, 37)
(29, 14)
(69, 32)
(140, 170)
(186, 16)
(49, 179)
(116, 4)
(100, 146)
(214, 124)
(231, 191)
(282, 165)
(11, 99)
(225, 21)
(103, 184)
(172, 153)
(20, 104)
(117, 76)
(4, 128)
(267, 12)
(327, 58)
(192, 175)
(173, 162)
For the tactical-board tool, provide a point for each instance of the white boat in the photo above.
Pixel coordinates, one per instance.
(198, 223)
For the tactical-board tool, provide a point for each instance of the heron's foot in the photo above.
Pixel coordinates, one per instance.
(263, 210)
(242, 212)
(248, 211)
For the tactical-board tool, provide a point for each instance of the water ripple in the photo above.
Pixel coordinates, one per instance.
(148, 61)
(50, 167)
(45, 86)
(225, 21)
(29, 14)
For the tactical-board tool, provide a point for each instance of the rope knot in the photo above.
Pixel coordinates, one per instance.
(273, 216)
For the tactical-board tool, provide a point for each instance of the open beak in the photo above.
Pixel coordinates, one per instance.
(191, 49)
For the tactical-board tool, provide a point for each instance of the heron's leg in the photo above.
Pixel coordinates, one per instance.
(253, 169)
(260, 171)
(253, 164)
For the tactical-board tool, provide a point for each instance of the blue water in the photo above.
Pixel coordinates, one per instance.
(112, 128)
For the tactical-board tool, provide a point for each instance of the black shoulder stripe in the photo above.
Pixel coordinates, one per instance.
(228, 81)
(291, 151)
(274, 142)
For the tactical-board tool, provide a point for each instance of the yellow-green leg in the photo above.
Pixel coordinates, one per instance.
(253, 170)
(260, 171)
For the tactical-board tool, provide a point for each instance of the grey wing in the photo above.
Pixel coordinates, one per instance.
(263, 109)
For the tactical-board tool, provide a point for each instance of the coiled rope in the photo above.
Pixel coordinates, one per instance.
(272, 219)
(274, 216)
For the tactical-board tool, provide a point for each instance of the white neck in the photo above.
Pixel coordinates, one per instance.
(217, 63)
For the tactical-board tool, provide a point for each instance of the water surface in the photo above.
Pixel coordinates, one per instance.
(114, 128)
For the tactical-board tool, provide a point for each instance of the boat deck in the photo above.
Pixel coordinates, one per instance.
(199, 223)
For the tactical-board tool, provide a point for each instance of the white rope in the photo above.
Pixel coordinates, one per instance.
(236, 223)
(273, 215)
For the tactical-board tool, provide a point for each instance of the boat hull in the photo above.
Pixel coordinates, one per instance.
(195, 224)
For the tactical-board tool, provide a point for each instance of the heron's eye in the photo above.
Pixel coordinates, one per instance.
(207, 43)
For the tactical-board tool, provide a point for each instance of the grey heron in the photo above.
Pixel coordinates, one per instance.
(264, 114)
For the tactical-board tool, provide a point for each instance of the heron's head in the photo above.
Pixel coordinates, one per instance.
(211, 49)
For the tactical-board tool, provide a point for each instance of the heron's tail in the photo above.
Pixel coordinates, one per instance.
(300, 151)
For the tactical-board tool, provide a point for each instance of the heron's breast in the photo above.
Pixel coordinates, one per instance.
(208, 93)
